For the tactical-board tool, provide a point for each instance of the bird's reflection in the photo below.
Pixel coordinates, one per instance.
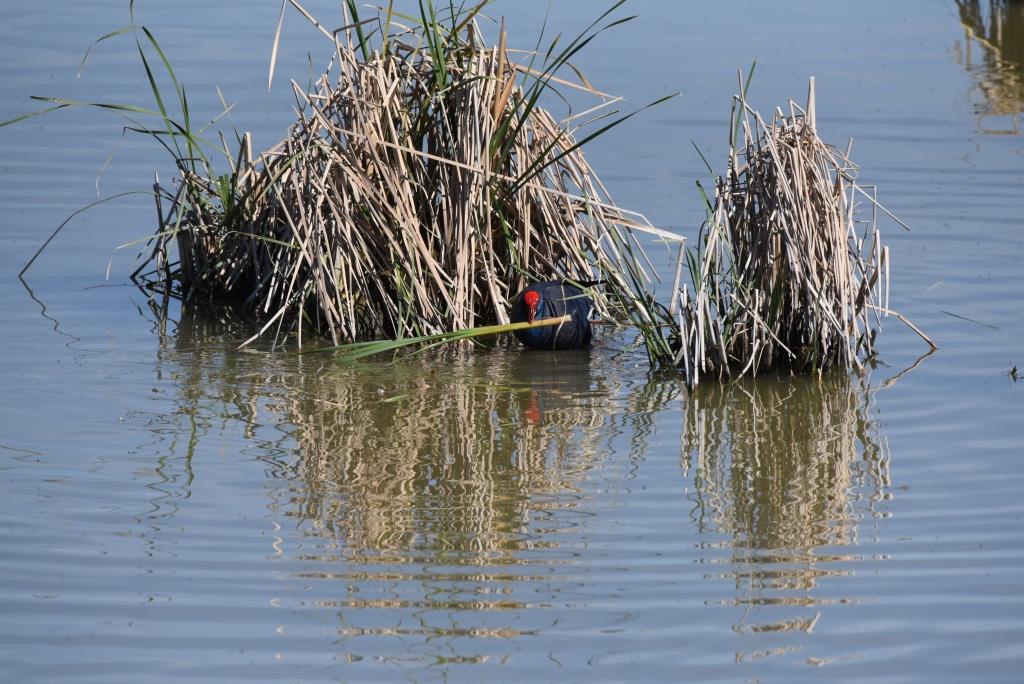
(423, 498)
(992, 52)
(786, 469)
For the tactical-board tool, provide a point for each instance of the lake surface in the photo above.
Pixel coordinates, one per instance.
(173, 508)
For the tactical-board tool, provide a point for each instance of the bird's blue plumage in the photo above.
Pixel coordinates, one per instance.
(556, 299)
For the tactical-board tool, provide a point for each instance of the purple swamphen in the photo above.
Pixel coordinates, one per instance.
(553, 299)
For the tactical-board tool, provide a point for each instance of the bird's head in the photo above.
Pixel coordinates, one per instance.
(532, 300)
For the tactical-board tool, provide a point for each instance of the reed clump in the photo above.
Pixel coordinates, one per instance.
(786, 273)
(421, 187)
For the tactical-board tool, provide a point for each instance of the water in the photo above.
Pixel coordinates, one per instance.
(174, 508)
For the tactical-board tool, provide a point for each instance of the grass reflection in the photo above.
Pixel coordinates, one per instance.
(786, 468)
(464, 459)
(450, 499)
(993, 54)
(456, 458)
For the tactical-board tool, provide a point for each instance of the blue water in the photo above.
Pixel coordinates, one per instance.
(173, 508)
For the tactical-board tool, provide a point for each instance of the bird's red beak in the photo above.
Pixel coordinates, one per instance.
(532, 299)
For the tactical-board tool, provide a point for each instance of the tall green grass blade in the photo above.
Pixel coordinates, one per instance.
(542, 82)
(360, 350)
(159, 98)
(435, 41)
(541, 162)
(739, 110)
(107, 36)
(63, 102)
(31, 115)
(275, 46)
(55, 233)
(470, 16)
(364, 45)
(387, 27)
(179, 90)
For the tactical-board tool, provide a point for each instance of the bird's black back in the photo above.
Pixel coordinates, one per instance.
(558, 298)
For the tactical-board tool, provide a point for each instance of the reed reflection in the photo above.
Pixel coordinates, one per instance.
(461, 454)
(427, 499)
(993, 54)
(468, 458)
(787, 468)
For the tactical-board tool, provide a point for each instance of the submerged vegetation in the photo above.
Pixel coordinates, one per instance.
(423, 184)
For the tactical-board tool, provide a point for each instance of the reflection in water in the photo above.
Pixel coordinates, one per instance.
(445, 459)
(993, 53)
(209, 378)
(443, 501)
(786, 468)
(437, 484)
(464, 458)
(444, 454)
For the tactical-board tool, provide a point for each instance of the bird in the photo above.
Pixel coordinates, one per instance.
(553, 299)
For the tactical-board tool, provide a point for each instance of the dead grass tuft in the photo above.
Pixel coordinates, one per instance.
(786, 273)
(420, 189)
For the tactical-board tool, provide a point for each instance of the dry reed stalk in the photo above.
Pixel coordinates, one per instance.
(419, 190)
(785, 274)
